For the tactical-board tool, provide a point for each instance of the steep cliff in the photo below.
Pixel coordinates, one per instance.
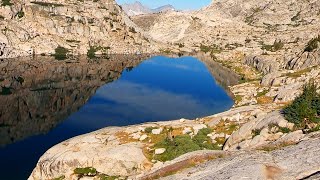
(38, 27)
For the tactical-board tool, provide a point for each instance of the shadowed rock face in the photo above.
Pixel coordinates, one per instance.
(37, 95)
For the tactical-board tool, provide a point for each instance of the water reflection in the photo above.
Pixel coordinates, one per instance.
(36, 95)
(45, 101)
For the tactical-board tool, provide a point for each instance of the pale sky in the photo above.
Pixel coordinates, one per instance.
(178, 4)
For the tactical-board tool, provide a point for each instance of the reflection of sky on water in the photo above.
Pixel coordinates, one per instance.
(158, 89)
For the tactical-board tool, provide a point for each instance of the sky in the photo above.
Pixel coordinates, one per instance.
(178, 4)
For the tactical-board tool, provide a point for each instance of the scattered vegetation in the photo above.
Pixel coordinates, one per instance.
(238, 98)
(106, 177)
(60, 178)
(255, 132)
(113, 13)
(262, 93)
(61, 53)
(312, 44)
(132, 29)
(272, 147)
(183, 144)
(47, 4)
(88, 171)
(233, 46)
(93, 49)
(6, 3)
(180, 45)
(212, 49)
(20, 14)
(284, 129)
(304, 111)
(91, 52)
(277, 45)
(165, 51)
(5, 91)
(299, 73)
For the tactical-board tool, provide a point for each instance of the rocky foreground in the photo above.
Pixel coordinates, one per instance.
(272, 44)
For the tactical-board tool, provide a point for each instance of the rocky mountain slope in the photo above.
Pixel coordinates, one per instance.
(137, 8)
(38, 27)
(237, 26)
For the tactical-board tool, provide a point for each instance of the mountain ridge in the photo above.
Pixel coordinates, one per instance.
(137, 8)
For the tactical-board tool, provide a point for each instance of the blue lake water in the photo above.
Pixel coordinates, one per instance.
(158, 89)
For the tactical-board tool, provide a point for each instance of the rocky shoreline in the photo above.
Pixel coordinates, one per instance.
(129, 152)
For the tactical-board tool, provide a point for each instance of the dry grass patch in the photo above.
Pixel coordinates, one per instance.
(272, 147)
(124, 137)
(264, 100)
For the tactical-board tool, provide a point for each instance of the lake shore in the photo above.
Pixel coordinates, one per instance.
(131, 152)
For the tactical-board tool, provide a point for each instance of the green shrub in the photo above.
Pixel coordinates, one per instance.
(60, 178)
(305, 108)
(180, 145)
(255, 132)
(277, 45)
(5, 91)
(91, 52)
(183, 144)
(61, 53)
(312, 44)
(20, 14)
(88, 171)
(202, 140)
(284, 129)
(149, 129)
(6, 3)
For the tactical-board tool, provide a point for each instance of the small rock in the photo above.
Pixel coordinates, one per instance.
(157, 164)
(221, 135)
(156, 131)
(290, 126)
(187, 130)
(159, 151)
(182, 120)
(264, 132)
(143, 137)
(135, 136)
